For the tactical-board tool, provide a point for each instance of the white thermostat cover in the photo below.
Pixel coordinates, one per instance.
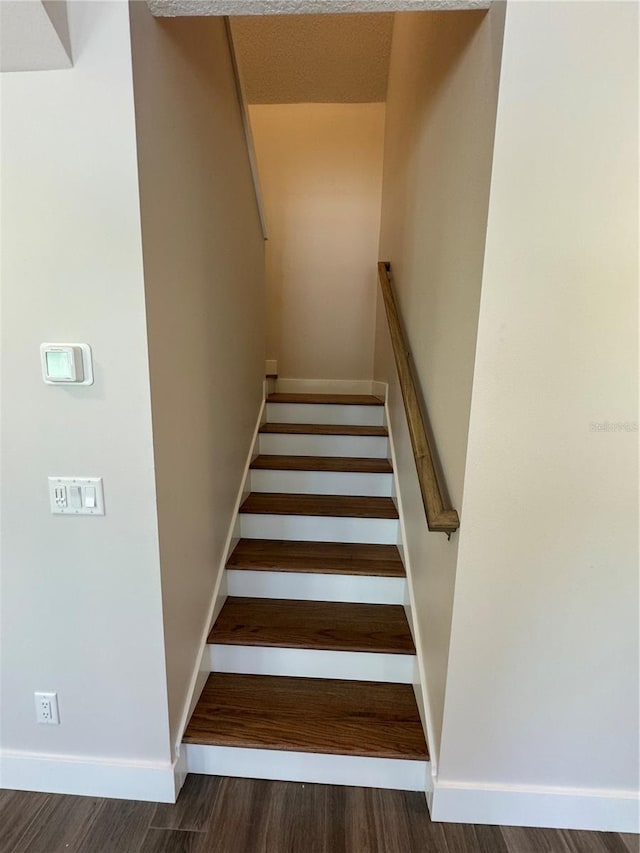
(77, 357)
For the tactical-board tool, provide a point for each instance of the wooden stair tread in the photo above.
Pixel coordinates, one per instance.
(327, 399)
(322, 463)
(331, 558)
(323, 429)
(293, 624)
(336, 506)
(308, 715)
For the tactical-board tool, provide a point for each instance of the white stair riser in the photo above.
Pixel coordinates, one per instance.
(312, 663)
(322, 483)
(284, 444)
(303, 586)
(306, 413)
(314, 528)
(312, 767)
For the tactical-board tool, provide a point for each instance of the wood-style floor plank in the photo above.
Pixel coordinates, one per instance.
(378, 822)
(241, 806)
(327, 399)
(345, 464)
(252, 816)
(463, 837)
(194, 808)
(521, 839)
(336, 506)
(293, 624)
(286, 816)
(632, 842)
(175, 841)
(331, 558)
(581, 841)
(119, 825)
(323, 429)
(60, 826)
(18, 809)
(308, 715)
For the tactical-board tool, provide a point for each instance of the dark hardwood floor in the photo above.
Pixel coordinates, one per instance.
(219, 815)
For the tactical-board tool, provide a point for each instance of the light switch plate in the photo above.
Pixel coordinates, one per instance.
(76, 495)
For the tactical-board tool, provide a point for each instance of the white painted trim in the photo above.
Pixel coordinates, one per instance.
(324, 386)
(420, 683)
(360, 483)
(312, 663)
(514, 805)
(380, 389)
(90, 777)
(311, 586)
(325, 413)
(312, 767)
(200, 670)
(317, 528)
(288, 444)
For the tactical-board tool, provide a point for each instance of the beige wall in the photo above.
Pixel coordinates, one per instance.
(542, 688)
(204, 282)
(440, 125)
(320, 169)
(81, 598)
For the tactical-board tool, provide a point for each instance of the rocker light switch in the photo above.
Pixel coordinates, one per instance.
(76, 495)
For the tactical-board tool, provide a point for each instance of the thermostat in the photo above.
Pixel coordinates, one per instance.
(66, 364)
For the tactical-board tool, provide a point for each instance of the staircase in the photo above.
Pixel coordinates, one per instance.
(311, 656)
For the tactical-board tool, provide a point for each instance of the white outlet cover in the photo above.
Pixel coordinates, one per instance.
(47, 708)
(63, 493)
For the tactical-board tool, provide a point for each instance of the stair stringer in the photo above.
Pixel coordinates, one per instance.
(419, 680)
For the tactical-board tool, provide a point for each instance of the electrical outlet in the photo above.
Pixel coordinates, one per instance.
(47, 708)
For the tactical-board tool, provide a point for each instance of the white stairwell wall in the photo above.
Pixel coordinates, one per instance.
(204, 285)
(537, 646)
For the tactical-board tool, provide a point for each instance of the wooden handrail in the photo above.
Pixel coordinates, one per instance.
(440, 517)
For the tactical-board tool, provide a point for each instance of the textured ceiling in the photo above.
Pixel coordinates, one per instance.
(176, 8)
(288, 59)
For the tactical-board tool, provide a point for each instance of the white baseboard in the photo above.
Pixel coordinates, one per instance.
(201, 668)
(561, 808)
(394, 773)
(420, 686)
(90, 777)
(324, 386)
